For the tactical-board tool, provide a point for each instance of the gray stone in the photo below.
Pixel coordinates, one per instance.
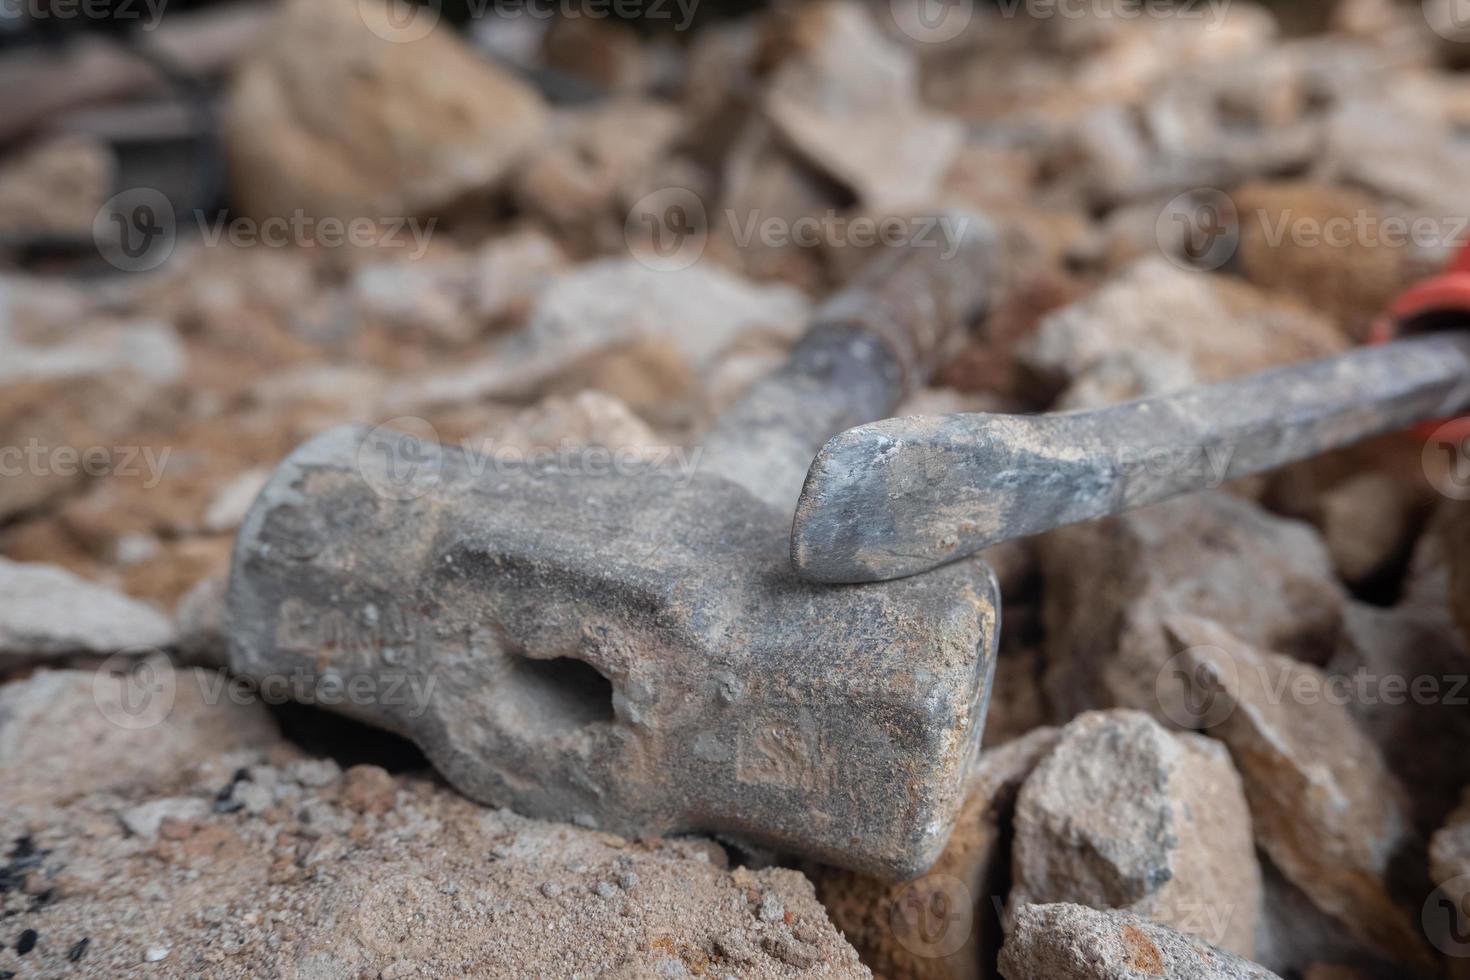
(1124, 815)
(1071, 942)
(1324, 804)
(47, 613)
(1111, 583)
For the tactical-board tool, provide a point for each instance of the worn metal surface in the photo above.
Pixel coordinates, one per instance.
(635, 653)
(901, 496)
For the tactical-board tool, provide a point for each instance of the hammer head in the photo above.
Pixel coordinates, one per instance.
(631, 653)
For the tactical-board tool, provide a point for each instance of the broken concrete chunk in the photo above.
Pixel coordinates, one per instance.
(945, 925)
(47, 613)
(55, 187)
(581, 179)
(201, 622)
(1070, 942)
(1407, 667)
(1447, 911)
(1296, 239)
(1153, 312)
(1109, 585)
(1124, 815)
(587, 419)
(349, 113)
(641, 332)
(147, 350)
(1325, 806)
(68, 733)
(847, 99)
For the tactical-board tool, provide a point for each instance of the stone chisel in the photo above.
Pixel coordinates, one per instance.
(898, 497)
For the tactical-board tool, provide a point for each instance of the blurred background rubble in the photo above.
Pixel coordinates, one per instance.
(225, 227)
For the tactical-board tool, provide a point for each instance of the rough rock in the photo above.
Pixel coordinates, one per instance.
(148, 350)
(47, 613)
(1301, 239)
(1449, 870)
(61, 419)
(590, 169)
(55, 187)
(645, 335)
(343, 115)
(1160, 327)
(201, 623)
(1368, 521)
(263, 863)
(846, 98)
(1410, 665)
(511, 272)
(1324, 804)
(231, 501)
(1070, 942)
(1109, 585)
(943, 926)
(1453, 531)
(589, 418)
(67, 734)
(1123, 815)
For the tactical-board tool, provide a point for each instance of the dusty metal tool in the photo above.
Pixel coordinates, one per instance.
(901, 496)
(635, 654)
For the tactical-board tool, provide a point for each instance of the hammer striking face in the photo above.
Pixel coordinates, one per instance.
(632, 652)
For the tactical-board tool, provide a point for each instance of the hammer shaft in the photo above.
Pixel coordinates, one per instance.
(900, 496)
(868, 347)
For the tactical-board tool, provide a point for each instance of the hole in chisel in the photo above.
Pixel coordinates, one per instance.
(560, 693)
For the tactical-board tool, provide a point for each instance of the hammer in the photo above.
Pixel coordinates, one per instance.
(633, 653)
(901, 496)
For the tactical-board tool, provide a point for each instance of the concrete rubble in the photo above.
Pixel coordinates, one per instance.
(1223, 736)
